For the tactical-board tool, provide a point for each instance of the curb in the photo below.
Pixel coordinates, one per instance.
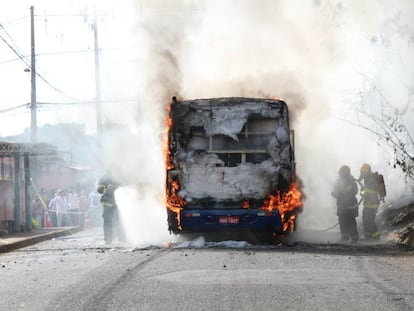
(30, 240)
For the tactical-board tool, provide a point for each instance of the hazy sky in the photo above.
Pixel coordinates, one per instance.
(64, 41)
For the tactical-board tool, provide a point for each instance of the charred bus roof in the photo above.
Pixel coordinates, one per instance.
(226, 115)
(226, 102)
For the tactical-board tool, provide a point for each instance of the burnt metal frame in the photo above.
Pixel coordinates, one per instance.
(245, 133)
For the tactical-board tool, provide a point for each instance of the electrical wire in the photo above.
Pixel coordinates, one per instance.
(19, 55)
(10, 37)
(13, 108)
(10, 60)
(16, 21)
(13, 49)
(46, 106)
(69, 52)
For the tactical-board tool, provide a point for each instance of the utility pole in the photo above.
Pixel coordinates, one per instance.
(97, 80)
(17, 205)
(27, 200)
(33, 108)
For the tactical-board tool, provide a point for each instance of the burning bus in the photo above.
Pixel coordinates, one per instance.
(230, 166)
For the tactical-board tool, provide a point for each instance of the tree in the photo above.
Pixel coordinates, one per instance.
(387, 123)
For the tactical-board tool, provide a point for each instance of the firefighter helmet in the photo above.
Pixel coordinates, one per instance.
(365, 168)
(344, 170)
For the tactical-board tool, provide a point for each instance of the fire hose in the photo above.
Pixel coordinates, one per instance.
(332, 227)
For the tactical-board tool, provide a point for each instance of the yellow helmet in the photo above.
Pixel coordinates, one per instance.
(344, 170)
(365, 168)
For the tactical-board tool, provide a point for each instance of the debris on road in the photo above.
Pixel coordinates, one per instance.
(398, 223)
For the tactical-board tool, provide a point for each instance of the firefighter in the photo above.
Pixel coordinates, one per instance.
(345, 191)
(371, 195)
(107, 186)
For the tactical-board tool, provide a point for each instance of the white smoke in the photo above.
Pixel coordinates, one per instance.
(143, 216)
(319, 56)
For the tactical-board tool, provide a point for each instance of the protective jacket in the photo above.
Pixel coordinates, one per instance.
(344, 192)
(371, 198)
(369, 191)
(106, 187)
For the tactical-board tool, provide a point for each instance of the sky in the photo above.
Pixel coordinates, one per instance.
(65, 60)
(334, 62)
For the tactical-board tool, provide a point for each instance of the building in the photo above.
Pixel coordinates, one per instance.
(25, 169)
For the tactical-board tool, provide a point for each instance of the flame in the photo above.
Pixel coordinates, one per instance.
(245, 204)
(285, 203)
(166, 147)
(173, 200)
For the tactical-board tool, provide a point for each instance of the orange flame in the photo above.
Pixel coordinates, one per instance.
(245, 204)
(285, 203)
(173, 200)
(166, 147)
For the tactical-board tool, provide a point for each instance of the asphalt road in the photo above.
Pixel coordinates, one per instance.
(78, 273)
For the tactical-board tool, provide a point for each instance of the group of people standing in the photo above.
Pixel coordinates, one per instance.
(74, 207)
(64, 207)
(372, 192)
(67, 206)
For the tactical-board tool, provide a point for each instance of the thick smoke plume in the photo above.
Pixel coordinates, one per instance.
(316, 55)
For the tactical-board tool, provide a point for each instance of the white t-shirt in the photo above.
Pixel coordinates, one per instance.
(73, 200)
(94, 199)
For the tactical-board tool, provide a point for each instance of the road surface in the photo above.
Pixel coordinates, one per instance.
(79, 273)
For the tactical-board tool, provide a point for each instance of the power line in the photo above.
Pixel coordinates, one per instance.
(55, 88)
(16, 21)
(9, 41)
(13, 108)
(90, 102)
(45, 54)
(14, 50)
(14, 114)
(76, 103)
(10, 60)
(29, 66)
(10, 37)
(65, 52)
(68, 52)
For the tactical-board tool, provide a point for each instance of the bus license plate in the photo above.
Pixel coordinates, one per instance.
(229, 220)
